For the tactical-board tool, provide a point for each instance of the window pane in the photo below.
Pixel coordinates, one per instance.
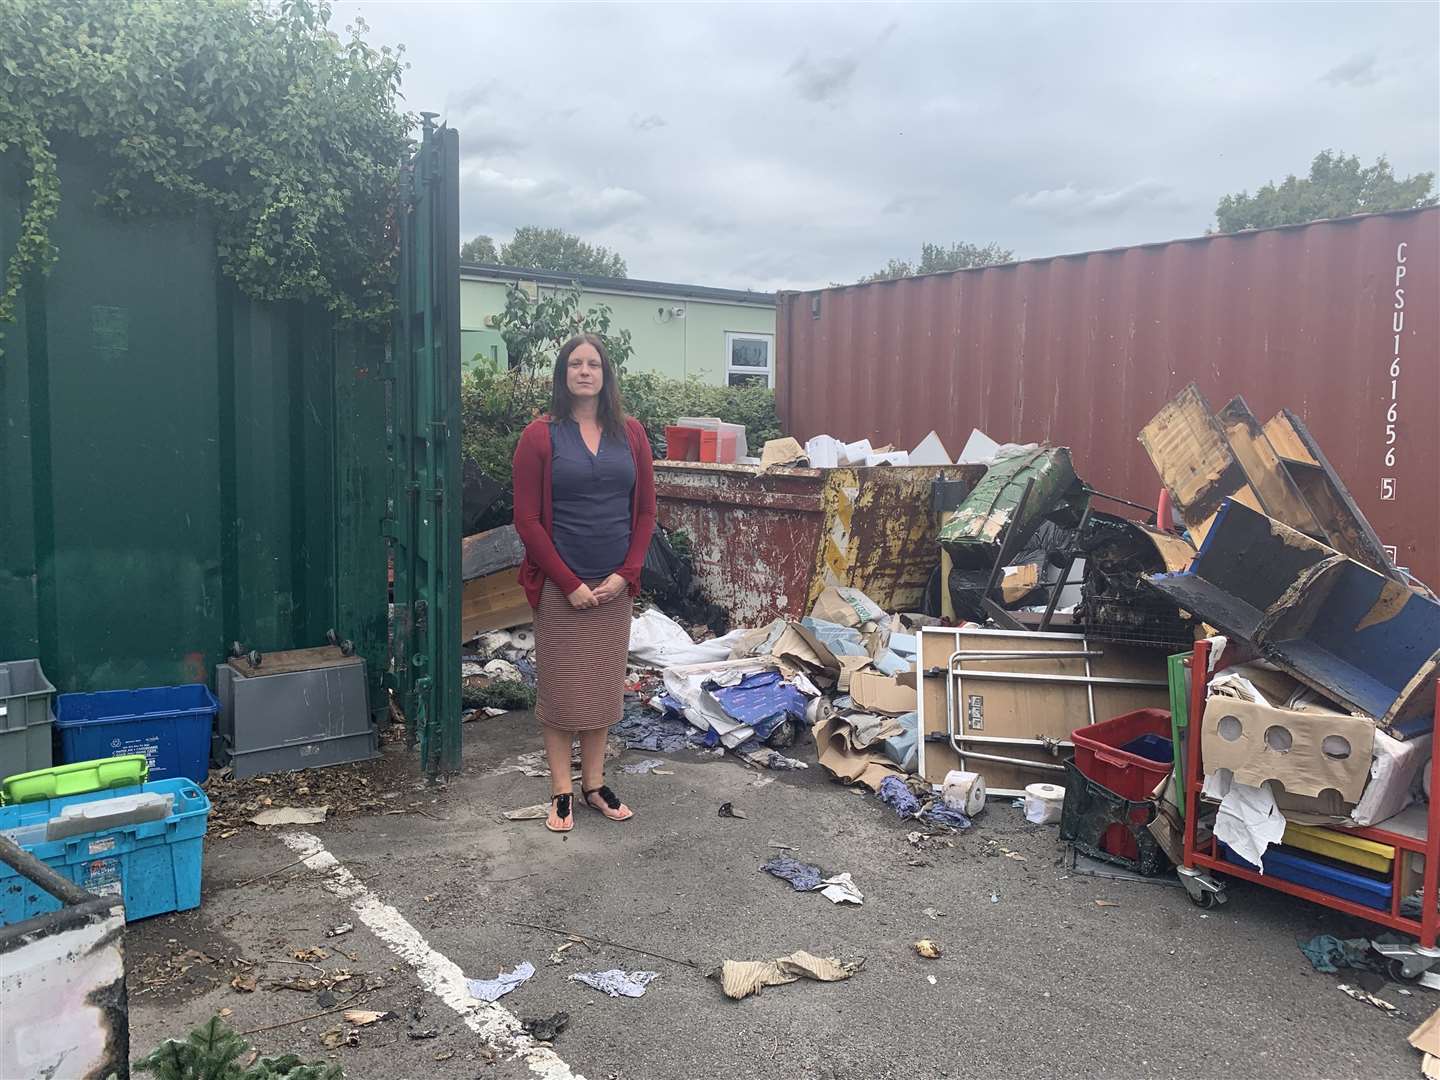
(740, 378)
(749, 352)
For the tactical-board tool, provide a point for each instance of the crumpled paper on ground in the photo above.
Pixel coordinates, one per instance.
(496, 988)
(658, 641)
(617, 983)
(741, 978)
(1248, 820)
(841, 890)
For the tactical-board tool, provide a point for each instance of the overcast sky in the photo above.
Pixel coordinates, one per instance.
(791, 146)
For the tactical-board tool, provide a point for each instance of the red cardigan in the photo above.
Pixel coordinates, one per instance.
(534, 515)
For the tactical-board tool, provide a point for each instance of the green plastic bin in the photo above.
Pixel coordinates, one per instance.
(27, 711)
(78, 778)
(1179, 672)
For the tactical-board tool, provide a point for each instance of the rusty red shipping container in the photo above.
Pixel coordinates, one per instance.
(1335, 320)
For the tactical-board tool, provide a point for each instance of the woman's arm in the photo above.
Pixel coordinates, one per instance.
(645, 506)
(528, 477)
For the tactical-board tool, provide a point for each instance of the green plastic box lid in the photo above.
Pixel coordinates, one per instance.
(77, 778)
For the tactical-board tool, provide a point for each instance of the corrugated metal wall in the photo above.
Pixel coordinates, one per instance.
(1082, 350)
(180, 467)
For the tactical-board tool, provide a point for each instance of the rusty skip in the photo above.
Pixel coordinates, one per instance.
(765, 546)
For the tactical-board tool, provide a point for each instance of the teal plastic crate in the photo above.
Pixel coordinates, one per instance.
(154, 866)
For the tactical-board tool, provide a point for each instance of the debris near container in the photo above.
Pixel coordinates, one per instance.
(545, 1029)
(741, 978)
(993, 513)
(617, 983)
(496, 988)
(291, 815)
(491, 597)
(667, 578)
(1116, 602)
(928, 949)
(1426, 1039)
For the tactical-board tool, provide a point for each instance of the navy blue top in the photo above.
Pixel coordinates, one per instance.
(590, 497)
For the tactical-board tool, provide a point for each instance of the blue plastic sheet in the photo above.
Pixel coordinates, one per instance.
(762, 700)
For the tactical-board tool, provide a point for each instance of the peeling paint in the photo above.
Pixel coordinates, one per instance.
(1393, 597)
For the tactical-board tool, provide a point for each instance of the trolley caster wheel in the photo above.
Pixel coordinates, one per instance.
(237, 650)
(254, 658)
(1206, 900)
(1397, 971)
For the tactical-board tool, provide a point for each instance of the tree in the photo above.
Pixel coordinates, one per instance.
(535, 248)
(479, 249)
(936, 258)
(1337, 186)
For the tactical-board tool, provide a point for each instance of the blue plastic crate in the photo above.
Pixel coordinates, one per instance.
(1300, 868)
(154, 866)
(170, 725)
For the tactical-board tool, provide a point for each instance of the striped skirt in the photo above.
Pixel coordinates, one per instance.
(580, 661)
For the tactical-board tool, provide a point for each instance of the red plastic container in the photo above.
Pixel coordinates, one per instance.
(682, 443)
(1099, 757)
(718, 447)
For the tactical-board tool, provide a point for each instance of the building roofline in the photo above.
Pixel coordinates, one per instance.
(596, 283)
(1206, 238)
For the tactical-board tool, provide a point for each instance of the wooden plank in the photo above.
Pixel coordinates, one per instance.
(1265, 471)
(493, 602)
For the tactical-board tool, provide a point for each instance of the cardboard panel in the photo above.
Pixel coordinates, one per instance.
(1026, 709)
(493, 602)
(1264, 469)
(1259, 743)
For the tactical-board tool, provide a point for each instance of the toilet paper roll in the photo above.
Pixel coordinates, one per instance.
(1044, 803)
(964, 791)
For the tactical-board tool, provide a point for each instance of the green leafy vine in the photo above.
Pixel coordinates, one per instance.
(287, 136)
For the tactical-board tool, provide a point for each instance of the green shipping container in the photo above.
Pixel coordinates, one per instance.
(182, 467)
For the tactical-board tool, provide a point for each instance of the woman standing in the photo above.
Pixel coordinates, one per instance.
(585, 511)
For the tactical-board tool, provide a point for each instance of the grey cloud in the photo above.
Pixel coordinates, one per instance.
(823, 81)
(646, 123)
(1359, 70)
(1070, 202)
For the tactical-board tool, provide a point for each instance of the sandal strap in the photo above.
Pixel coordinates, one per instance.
(607, 796)
(562, 805)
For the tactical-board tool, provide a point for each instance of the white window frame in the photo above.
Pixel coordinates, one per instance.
(732, 336)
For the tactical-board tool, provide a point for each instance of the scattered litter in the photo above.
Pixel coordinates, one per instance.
(1015, 855)
(938, 813)
(537, 812)
(1328, 954)
(364, 1017)
(782, 847)
(741, 978)
(772, 759)
(558, 956)
(728, 810)
(492, 712)
(930, 979)
(426, 1033)
(1361, 995)
(1043, 803)
(1431, 981)
(802, 876)
(931, 913)
(338, 1037)
(310, 956)
(928, 949)
(442, 1055)
(841, 890)
(1107, 903)
(496, 988)
(342, 928)
(245, 984)
(894, 794)
(641, 768)
(994, 897)
(546, 1028)
(291, 815)
(617, 983)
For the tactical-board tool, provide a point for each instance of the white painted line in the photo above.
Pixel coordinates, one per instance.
(437, 973)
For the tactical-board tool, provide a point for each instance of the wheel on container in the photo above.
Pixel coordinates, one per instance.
(1206, 900)
(1396, 970)
(347, 648)
(254, 658)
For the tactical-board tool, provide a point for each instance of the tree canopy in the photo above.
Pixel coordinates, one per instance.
(1336, 187)
(536, 248)
(936, 258)
(289, 137)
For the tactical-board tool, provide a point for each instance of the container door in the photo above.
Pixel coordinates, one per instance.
(424, 525)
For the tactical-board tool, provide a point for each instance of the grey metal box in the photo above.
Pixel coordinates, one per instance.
(302, 709)
(27, 714)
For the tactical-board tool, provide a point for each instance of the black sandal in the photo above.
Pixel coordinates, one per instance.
(613, 809)
(564, 811)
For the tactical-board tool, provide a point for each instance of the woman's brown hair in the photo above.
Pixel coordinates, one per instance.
(612, 405)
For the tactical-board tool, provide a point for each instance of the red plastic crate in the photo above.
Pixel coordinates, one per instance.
(718, 447)
(682, 443)
(1099, 757)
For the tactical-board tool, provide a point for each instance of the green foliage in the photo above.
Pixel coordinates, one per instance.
(534, 248)
(214, 1052)
(657, 400)
(1336, 187)
(534, 329)
(508, 694)
(287, 136)
(479, 249)
(936, 258)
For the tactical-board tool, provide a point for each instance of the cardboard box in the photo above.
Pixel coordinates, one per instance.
(874, 692)
(1309, 752)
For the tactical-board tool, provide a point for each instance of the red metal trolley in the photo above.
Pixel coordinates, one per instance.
(1416, 830)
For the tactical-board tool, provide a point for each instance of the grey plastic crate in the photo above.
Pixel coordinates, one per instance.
(27, 712)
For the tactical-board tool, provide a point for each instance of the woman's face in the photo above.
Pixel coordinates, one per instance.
(585, 376)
